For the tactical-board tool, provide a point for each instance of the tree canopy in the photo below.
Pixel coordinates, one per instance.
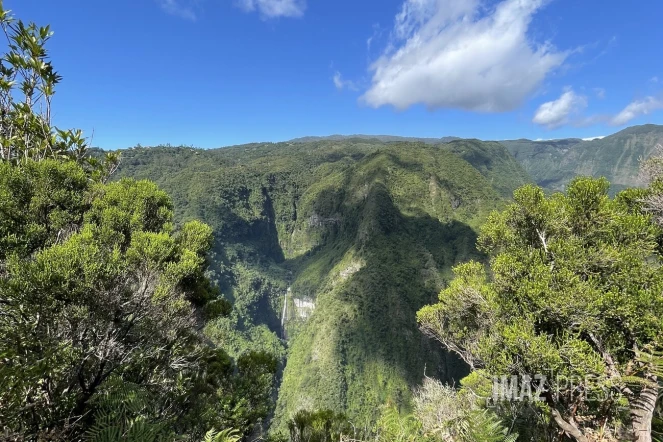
(574, 293)
(102, 296)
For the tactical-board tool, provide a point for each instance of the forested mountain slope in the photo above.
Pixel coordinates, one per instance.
(335, 245)
(554, 163)
(382, 138)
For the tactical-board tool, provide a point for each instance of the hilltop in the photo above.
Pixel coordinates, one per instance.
(553, 163)
(382, 138)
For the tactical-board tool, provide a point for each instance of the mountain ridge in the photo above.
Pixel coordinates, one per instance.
(337, 243)
(351, 238)
(382, 138)
(553, 163)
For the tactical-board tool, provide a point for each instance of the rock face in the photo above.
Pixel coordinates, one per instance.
(304, 307)
(335, 246)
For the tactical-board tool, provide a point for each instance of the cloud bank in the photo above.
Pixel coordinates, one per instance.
(452, 54)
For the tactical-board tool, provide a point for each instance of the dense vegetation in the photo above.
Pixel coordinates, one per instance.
(552, 164)
(279, 291)
(101, 297)
(361, 233)
(575, 294)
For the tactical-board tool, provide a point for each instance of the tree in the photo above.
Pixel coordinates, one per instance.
(574, 293)
(27, 87)
(107, 289)
(102, 298)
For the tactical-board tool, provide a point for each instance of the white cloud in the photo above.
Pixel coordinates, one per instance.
(636, 109)
(554, 114)
(178, 9)
(654, 79)
(600, 92)
(451, 54)
(341, 84)
(274, 8)
(594, 138)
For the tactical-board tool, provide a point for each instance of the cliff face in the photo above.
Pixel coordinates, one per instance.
(552, 164)
(336, 245)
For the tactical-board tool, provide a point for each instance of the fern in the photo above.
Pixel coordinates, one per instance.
(228, 435)
(122, 415)
(481, 426)
(397, 428)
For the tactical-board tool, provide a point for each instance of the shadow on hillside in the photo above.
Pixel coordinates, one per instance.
(373, 311)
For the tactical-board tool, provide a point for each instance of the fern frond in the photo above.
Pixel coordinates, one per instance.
(228, 435)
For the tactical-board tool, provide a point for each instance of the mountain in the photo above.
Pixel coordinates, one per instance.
(328, 247)
(382, 138)
(552, 164)
(494, 162)
(327, 250)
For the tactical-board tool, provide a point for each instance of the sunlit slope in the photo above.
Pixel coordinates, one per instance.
(336, 245)
(552, 164)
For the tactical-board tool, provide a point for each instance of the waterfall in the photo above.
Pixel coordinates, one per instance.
(285, 313)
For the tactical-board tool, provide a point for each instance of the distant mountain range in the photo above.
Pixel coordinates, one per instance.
(553, 163)
(382, 138)
(617, 157)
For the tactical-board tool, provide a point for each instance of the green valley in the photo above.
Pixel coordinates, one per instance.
(331, 289)
(353, 236)
(328, 248)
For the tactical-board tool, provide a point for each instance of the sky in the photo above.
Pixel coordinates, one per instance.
(212, 73)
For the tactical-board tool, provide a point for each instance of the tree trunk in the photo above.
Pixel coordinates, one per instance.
(568, 427)
(642, 411)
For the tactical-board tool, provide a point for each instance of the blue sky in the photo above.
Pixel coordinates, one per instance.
(211, 73)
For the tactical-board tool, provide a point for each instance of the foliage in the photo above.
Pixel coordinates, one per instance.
(27, 86)
(318, 426)
(364, 232)
(102, 298)
(222, 436)
(392, 426)
(574, 293)
(457, 415)
(123, 413)
(100, 288)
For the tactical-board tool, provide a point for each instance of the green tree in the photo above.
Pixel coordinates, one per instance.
(102, 298)
(115, 295)
(27, 87)
(574, 293)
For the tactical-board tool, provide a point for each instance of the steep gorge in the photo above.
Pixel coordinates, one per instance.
(354, 235)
